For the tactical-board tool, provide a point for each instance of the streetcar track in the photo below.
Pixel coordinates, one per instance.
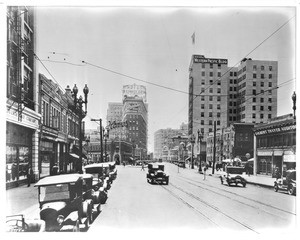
(190, 206)
(208, 205)
(241, 196)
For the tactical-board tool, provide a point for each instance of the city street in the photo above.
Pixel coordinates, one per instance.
(191, 202)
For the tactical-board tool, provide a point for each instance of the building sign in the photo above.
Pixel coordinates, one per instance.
(134, 90)
(289, 158)
(201, 59)
(276, 130)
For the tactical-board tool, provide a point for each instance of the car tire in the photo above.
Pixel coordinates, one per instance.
(275, 187)
(244, 184)
(291, 190)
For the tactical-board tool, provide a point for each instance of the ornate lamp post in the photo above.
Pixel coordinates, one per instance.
(192, 140)
(294, 103)
(106, 136)
(200, 137)
(78, 102)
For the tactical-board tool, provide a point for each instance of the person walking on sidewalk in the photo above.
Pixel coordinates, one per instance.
(143, 167)
(29, 175)
(204, 172)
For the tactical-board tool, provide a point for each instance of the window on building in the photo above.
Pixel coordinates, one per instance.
(211, 65)
(218, 98)
(210, 114)
(218, 106)
(262, 76)
(254, 99)
(270, 68)
(211, 74)
(270, 108)
(261, 108)
(254, 67)
(219, 66)
(202, 98)
(218, 114)
(262, 84)
(262, 68)
(202, 106)
(210, 98)
(253, 108)
(270, 84)
(203, 65)
(254, 84)
(219, 90)
(261, 115)
(254, 91)
(219, 82)
(202, 90)
(210, 90)
(253, 115)
(202, 122)
(210, 122)
(219, 74)
(254, 75)
(231, 74)
(261, 100)
(269, 116)
(218, 122)
(210, 106)
(269, 100)
(202, 114)
(203, 82)
(270, 76)
(203, 74)
(230, 118)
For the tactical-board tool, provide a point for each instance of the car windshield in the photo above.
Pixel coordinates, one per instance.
(54, 192)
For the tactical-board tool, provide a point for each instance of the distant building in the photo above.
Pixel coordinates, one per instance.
(275, 145)
(164, 144)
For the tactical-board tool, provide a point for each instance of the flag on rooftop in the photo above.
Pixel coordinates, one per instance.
(193, 38)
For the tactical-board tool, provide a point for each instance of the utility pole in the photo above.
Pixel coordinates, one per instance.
(101, 141)
(214, 153)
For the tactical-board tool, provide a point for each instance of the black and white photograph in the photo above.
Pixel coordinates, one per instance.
(150, 120)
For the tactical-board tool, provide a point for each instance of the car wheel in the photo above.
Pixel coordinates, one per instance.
(291, 190)
(244, 184)
(275, 187)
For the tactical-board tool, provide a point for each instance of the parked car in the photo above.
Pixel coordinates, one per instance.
(18, 223)
(287, 183)
(101, 182)
(229, 179)
(156, 174)
(61, 202)
(89, 194)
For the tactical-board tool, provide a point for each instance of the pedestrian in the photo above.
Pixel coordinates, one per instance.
(204, 172)
(29, 175)
(143, 167)
(277, 173)
(124, 163)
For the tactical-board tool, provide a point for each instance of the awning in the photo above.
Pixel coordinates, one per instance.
(74, 155)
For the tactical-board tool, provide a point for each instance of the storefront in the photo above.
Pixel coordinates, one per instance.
(18, 153)
(275, 146)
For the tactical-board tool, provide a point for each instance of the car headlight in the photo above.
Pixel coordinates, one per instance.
(60, 219)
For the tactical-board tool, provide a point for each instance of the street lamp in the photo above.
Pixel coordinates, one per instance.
(78, 102)
(294, 103)
(200, 137)
(106, 136)
(192, 140)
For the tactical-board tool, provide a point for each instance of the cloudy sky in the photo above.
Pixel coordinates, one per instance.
(152, 46)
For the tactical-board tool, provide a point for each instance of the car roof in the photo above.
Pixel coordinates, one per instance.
(57, 179)
(99, 165)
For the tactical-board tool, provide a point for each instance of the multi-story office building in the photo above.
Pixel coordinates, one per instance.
(247, 93)
(22, 115)
(257, 91)
(135, 112)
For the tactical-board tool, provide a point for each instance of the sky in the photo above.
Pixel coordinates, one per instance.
(144, 45)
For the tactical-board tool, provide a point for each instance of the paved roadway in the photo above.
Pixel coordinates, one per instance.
(191, 202)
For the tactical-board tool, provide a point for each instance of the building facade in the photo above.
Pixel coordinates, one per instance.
(275, 145)
(22, 116)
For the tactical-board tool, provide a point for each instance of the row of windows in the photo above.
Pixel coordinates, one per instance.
(211, 98)
(211, 82)
(262, 76)
(211, 74)
(262, 68)
(286, 139)
(233, 81)
(210, 114)
(261, 115)
(210, 122)
(210, 106)
(233, 74)
(211, 90)
(211, 65)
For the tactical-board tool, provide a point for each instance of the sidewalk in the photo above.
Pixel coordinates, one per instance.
(260, 180)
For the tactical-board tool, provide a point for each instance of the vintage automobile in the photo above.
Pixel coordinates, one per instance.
(229, 179)
(287, 183)
(156, 174)
(89, 194)
(62, 205)
(101, 183)
(18, 223)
